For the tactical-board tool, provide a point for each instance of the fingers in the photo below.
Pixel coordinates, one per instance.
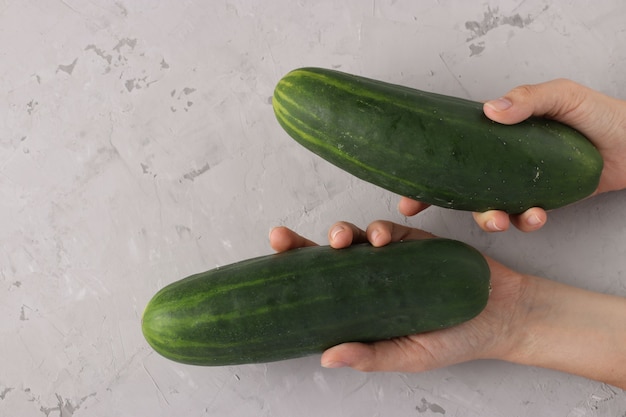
(382, 232)
(492, 220)
(283, 239)
(498, 221)
(344, 234)
(409, 207)
(378, 233)
(531, 220)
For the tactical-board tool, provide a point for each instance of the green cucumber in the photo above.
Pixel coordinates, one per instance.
(434, 148)
(303, 301)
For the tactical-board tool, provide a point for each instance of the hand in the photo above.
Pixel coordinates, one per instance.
(528, 320)
(602, 119)
(488, 335)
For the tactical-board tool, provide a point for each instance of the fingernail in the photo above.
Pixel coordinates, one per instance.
(334, 365)
(491, 225)
(499, 104)
(335, 232)
(534, 220)
(374, 237)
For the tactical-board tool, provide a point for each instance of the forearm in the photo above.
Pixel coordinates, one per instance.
(575, 331)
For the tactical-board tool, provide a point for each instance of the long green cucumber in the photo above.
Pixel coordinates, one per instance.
(303, 301)
(434, 148)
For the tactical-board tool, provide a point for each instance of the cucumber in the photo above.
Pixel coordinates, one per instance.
(303, 301)
(438, 149)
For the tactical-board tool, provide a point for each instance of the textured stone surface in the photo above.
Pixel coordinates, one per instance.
(138, 145)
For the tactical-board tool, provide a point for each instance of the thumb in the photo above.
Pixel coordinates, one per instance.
(597, 116)
(401, 354)
(384, 356)
(559, 99)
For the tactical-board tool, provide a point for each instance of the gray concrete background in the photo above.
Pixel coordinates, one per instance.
(138, 145)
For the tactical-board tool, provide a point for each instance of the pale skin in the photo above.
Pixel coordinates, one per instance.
(528, 320)
(602, 119)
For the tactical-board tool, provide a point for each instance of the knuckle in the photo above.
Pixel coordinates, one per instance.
(524, 91)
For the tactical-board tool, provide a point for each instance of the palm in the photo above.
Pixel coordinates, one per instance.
(485, 336)
(599, 117)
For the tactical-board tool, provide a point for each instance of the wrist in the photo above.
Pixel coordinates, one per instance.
(571, 330)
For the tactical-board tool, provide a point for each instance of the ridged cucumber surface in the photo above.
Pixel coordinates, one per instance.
(303, 301)
(434, 148)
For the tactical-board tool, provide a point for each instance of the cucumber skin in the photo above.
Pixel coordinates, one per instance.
(438, 149)
(304, 301)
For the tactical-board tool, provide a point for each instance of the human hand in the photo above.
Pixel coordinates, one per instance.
(527, 320)
(489, 335)
(602, 119)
